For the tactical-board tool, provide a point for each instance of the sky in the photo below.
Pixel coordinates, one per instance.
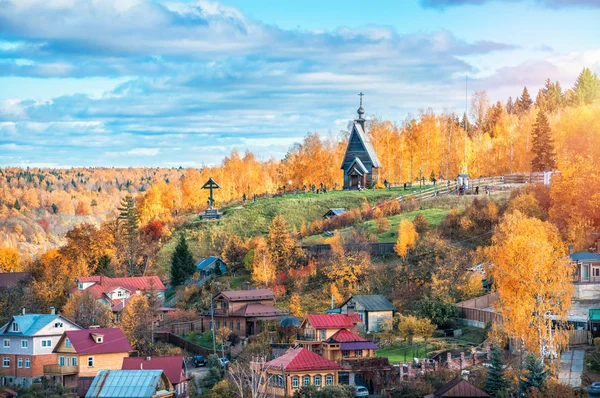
(182, 83)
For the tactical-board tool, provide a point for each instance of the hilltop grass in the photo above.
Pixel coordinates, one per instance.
(405, 352)
(434, 217)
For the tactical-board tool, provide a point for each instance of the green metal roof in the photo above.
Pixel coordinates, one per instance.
(595, 315)
(372, 302)
(29, 324)
(125, 384)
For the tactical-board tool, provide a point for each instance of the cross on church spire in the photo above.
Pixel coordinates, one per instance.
(360, 110)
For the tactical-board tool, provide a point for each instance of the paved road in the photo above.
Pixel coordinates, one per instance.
(571, 367)
(197, 374)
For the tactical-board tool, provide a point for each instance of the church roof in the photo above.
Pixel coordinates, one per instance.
(364, 137)
(360, 167)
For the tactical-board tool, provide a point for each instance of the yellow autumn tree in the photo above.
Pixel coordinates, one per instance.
(407, 237)
(10, 259)
(263, 267)
(345, 267)
(533, 278)
(136, 321)
(335, 293)
(295, 305)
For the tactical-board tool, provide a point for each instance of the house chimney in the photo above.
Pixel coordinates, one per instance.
(350, 310)
(148, 359)
(52, 311)
(23, 310)
(570, 249)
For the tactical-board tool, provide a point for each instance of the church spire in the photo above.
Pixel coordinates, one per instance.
(360, 110)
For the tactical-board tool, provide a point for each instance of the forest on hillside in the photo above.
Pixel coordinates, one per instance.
(556, 129)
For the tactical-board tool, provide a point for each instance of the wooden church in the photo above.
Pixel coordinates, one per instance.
(360, 163)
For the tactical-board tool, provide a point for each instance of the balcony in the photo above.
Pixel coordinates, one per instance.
(306, 337)
(57, 370)
(590, 279)
(218, 311)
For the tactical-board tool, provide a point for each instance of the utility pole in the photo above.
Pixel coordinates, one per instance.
(465, 170)
(212, 324)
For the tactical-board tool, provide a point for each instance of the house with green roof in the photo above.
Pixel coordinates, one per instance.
(374, 310)
(26, 345)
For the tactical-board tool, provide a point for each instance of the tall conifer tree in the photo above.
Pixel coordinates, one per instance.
(544, 157)
(526, 100)
(182, 263)
(494, 378)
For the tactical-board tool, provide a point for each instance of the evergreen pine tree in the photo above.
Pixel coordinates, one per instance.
(534, 375)
(17, 205)
(182, 263)
(526, 100)
(510, 108)
(587, 88)
(129, 219)
(543, 145)
(494, 378)
(541, 101)
(54, 208)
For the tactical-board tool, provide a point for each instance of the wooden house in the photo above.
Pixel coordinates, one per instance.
(244, 312)
(374, 310)
(297, 368)
(317, 328)
(82, 353)
(360, 164)
(173, 366)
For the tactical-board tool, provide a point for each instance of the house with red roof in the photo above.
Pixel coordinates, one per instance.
(244, 312)
(297, 368)
(116, 292)
(82, 353)
(317, 328)
(173, 366)
(346, 346)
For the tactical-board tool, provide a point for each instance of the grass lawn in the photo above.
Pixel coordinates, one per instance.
(405, 352)
(471, 335)
(434, 216)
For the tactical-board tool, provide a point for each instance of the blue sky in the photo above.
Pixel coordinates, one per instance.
(170, 83)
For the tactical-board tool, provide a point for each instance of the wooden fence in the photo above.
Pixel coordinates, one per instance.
(180, 342)
(375, 248)
(479, 309)
(180, 328)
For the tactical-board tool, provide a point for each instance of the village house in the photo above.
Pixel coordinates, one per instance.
(27, 342)
(210, 266)
(360, 164)
(115, 292)
(297, 368)
(131, 384)
(173, 366)
(11, 279)
(82, 353)
(244, 312)
(331, 213)
(458, 387)
(317, 328)
(374, 311)
(346, 346)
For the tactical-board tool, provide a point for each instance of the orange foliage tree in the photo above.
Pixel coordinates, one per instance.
(407, 237)
(533, 278)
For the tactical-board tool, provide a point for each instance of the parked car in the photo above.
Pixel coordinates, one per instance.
(198, 361)
(361, 391)
(593, 390)
(224, 362)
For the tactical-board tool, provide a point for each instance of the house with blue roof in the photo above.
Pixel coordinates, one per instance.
(26, 345)
(374, 310)
(211, 266)
(131, 384)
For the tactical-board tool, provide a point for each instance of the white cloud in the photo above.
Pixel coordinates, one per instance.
(144, 151)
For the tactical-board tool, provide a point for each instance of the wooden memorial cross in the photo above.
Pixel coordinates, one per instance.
(210, 185)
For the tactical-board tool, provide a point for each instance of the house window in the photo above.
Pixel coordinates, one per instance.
(58, 324)
(99, 339)
(74, 361)
(27, 363)
(596, 271)
(6, 362)
(318, 380)
(238, 324)
(119, 293)
(24, 343)
(231, 324)
(586, 272)
(359, 353)
(306, 381)
(7, 343)
(328, 380)
(295, 381)
(67, 342)
(15, 327)
(20, 362)
(322, 331)
(90, 362)
(218, 323)
(345, 353)
(46, 343)
(61, 361)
